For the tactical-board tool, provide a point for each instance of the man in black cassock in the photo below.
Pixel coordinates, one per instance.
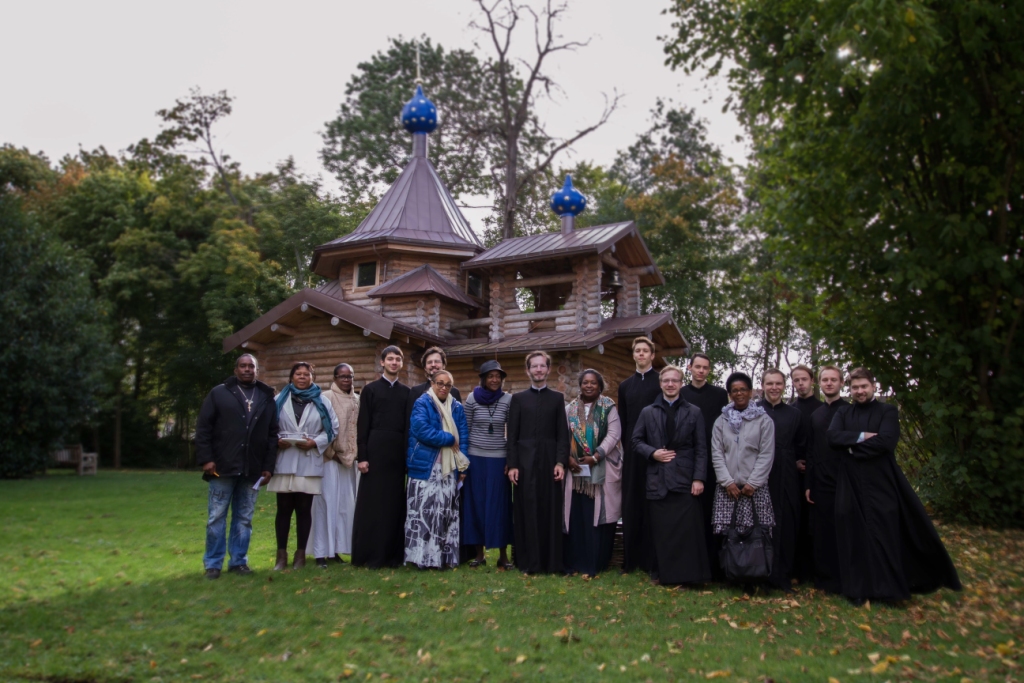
(806, 401)
(378, 528)
(710, 399)
(888, 547)
(820, 481)
(784, 479)
(670, 434)
(636, 393)
(538, 453)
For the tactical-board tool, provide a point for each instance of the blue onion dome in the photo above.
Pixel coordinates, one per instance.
(568, 201)
(419, 115)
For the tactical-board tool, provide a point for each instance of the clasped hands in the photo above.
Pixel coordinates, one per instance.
(735, 491)
(309, 444)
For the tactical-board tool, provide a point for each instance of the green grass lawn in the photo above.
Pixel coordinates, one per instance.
(102, 581)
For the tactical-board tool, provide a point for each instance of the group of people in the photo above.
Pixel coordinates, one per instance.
(421, 475)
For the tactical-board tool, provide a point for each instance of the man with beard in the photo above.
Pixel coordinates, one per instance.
(378, 533)
(784, 480)
(888, 547)
(710, 399)
(820, 481)
(538, 453)
(636, 393)
(434, 360)
(806, 401)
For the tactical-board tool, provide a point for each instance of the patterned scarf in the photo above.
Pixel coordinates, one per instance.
(588, 431)
(735, 417)
(310, 394)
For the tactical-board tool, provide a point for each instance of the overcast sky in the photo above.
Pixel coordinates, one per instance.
(94, 73)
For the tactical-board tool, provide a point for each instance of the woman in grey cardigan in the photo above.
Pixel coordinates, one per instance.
(486, 494)
(742, 452)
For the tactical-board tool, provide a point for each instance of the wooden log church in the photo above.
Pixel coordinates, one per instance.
(415, 274)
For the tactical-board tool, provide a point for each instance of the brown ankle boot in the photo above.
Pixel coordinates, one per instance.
(282, 561)
(300, 559)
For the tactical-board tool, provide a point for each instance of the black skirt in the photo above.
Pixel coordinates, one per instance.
(587, 549)
(677, 530)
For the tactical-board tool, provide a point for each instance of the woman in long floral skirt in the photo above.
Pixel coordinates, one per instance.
(436, 464)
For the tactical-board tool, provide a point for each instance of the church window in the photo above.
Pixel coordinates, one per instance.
(366, 274)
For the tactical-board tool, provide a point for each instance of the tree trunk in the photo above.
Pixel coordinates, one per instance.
(508, 228)
(117, 430)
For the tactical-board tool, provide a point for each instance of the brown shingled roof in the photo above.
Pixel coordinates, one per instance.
(416, 209)
(423, 280)
(625, 237)
(325, 298)
(660, 324)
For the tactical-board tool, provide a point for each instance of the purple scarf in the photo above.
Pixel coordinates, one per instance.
(485, 396)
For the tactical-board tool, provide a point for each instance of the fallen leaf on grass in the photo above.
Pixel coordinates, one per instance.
(833, 680)
(36, 643)
(520, 659)
(874, 657)
(444, 608)
(152, 664)
(942, 634)
(722, 673)
(337, 634)
(879, 668)
(208, 647)
(348, 673)
(601, 666)
(261, 632)
(864, 627)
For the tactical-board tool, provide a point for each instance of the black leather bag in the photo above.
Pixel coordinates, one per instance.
(746, 554)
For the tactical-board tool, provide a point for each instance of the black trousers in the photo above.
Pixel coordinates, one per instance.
(302, 505)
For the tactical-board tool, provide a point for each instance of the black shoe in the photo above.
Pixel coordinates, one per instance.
(212, 574)
(477, 563)
(240, 569)
(321, 562)
(338, 559)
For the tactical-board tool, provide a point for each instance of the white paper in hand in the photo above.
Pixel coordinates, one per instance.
(584, 471)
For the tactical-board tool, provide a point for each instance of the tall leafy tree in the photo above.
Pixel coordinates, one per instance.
(55, 348)
(365, 145)
(685, 200)
(888, 171)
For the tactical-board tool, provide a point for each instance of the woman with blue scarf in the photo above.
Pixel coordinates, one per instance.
(306, 424)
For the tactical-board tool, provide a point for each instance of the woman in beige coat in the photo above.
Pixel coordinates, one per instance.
(334, 508)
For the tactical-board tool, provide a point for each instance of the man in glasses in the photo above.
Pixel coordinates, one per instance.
(670, 436)
(710, 399)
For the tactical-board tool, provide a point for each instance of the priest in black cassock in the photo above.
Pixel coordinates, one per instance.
(806, 401)
(820, 481)
(670, 435)
(710, 399)
(636, 393)
(888, 547)
(378, 529)
(784, 479)
(538, 453)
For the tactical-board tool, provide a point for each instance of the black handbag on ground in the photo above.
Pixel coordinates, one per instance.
(746, 554)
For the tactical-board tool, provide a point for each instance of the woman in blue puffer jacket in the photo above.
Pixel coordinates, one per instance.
(438, 435)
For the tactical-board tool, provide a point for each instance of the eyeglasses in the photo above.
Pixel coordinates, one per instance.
(666, 380)
(443, 385)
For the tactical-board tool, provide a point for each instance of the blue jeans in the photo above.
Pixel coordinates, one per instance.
(236, 492)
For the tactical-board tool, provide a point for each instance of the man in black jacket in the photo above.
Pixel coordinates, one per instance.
(670, 435)
(236, 444)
